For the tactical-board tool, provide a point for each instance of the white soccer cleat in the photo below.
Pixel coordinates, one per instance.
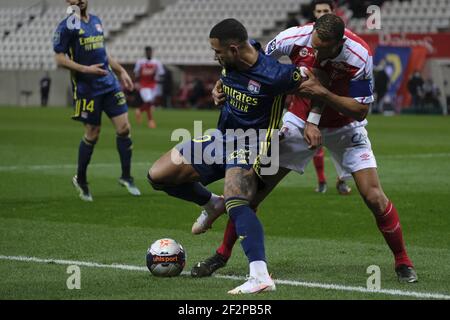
(130, 186)
(254, 285)
(82, 189)
(208, 216)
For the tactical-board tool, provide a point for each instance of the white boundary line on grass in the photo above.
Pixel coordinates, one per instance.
(109, 165)
(392, 292)
(64, 166)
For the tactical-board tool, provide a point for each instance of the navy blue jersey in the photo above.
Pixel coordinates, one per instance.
(86, 46)
(255, 97)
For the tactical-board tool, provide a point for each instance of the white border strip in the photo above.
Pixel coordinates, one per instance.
(413, 294)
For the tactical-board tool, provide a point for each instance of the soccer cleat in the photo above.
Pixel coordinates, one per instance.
(207, 217)
(253, 286)
(343, 188)
(322, 187)
(131, 187)
(82, 189)
(406, 274)
(209, 266)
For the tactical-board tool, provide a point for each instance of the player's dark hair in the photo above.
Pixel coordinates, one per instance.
(229, 30)
(330, 27)
(316, 2)
(148, 48)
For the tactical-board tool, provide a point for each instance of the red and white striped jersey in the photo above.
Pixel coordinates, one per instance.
(351, 72)
(149, 72)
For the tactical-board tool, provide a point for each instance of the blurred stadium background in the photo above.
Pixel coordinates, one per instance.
(414, 36)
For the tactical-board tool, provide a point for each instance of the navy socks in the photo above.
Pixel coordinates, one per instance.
(248, 228)
(125, 146)
(193, 192)
(84, 157)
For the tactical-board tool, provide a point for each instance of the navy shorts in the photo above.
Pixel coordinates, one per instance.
(89, 109)
(212, 155)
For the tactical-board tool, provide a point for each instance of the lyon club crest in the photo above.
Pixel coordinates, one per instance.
(254, 87)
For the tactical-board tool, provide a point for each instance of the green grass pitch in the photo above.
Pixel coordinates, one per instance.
(323, 239)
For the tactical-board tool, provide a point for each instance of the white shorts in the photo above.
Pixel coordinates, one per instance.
(349, 147)
(148, 94)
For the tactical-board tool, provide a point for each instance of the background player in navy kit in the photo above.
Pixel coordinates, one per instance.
(255, 86)
(80, 48)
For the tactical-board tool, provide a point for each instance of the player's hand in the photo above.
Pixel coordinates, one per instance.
(313, 136)
(311, 88)
(284, 131)
(218, 95)
(126, 81)
(96, 69)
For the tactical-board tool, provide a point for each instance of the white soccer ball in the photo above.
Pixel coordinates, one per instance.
(166, 258)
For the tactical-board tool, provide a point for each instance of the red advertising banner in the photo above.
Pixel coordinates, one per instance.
(436, 44)
(416, 62)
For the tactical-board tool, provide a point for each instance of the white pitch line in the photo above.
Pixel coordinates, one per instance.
(64, 166)
(392, 292)
(109, 165)
(415, 156)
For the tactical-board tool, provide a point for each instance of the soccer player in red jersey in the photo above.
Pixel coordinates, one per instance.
(339, 124)
(320, 8)
(149, 72)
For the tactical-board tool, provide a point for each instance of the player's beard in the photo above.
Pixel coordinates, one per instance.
(226, 65)
(83, 7)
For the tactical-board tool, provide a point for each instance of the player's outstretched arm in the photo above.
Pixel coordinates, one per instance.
(121, 73)
(313, 89)
(64, 62)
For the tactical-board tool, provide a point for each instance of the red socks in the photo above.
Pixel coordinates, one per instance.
(229, 239)
(319, 164)
(389, 225)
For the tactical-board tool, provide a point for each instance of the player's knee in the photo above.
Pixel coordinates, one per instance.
(90, 142)
(124, 130)
(160, 178)
(156, 184)
(160, 175)
(155, 176)
(92, 134)
(240, 184)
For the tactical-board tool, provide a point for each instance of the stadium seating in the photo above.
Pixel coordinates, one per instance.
(30, 46)
(179, 32)
(416, 16)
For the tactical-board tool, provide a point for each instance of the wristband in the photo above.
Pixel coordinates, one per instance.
(314, 118)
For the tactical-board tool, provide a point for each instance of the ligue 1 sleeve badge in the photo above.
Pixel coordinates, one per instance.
(99, 28)
(254, 87)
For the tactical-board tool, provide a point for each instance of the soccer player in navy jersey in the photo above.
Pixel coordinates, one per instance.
(255, 86)
(79, 46)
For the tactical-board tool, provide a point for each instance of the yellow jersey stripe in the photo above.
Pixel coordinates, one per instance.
(72, 75)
